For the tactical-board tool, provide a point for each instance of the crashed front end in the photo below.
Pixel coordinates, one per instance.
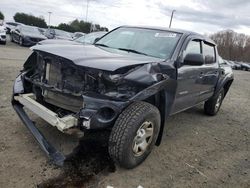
(72, 97)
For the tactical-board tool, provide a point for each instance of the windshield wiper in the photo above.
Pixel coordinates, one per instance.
(104, 45)
(133, 51)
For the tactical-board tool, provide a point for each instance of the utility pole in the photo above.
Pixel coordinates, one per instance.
(87, 9)
(171, 18)
(49, 17)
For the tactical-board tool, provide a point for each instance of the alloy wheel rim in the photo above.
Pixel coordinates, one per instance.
(218, 102)
(143, 138)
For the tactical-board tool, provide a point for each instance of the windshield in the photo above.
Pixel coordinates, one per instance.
(30, 30)
(151, 42)
(90, 38)
(62, 33)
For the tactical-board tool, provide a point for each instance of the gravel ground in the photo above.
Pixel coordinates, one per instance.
(197, 150)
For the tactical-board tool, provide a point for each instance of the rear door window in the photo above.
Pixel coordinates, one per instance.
(209, 53)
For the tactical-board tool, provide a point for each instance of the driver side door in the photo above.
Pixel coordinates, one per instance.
(188, 87)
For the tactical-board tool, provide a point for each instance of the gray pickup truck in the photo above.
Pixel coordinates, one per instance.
(128, 83)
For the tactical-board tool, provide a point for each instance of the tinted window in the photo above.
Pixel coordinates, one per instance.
(209, 53)
(193, 47)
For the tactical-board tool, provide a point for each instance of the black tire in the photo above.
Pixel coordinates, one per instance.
(212, 106)
(124, 134)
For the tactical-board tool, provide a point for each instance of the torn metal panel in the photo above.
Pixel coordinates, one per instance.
(56, 156)
(100, 111)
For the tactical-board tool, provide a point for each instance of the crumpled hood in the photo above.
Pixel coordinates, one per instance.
(96, 57)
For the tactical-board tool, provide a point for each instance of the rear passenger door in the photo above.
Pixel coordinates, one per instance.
(209, 71)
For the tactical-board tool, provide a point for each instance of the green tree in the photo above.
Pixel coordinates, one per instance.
(28, 19)
(80, 26)
(66, 27)
(1, 16)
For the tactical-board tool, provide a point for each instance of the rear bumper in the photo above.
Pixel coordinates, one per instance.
(56, 157)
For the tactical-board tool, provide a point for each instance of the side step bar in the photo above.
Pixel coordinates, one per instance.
(56, 157)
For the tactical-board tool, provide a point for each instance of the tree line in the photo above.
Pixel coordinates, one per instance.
(232, 46)
(1, 16)
(74, 26)
(28, 19)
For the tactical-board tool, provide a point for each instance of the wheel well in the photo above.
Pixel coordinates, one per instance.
(227, 86)
(158, 100)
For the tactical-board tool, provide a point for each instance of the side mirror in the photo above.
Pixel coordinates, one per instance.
(193, 59)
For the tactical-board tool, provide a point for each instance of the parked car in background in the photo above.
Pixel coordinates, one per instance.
(42, 30)
(2, 35)
(11, 25)
(86, 39)
(245, 66)
(26, 35)
(237, 66)
(77, 35)
(58, 34)
(231, 63)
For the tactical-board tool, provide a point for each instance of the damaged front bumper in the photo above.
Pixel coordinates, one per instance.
(56, 156)
(52, 118)
(97, 113)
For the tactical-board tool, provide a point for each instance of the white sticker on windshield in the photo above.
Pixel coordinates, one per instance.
(172, 35)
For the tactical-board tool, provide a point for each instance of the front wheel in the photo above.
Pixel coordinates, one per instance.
(134, 134)
(212, 106)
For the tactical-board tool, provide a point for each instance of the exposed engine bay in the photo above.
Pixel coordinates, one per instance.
(58, 77)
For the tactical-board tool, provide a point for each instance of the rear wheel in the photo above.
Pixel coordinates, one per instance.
(212, 106)
(134, 134)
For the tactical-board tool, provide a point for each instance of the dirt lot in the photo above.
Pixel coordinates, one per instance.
(197, 150)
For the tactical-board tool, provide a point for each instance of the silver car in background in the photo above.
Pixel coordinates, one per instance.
(2, 35)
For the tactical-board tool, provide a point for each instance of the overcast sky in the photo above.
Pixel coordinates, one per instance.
(202, 16)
